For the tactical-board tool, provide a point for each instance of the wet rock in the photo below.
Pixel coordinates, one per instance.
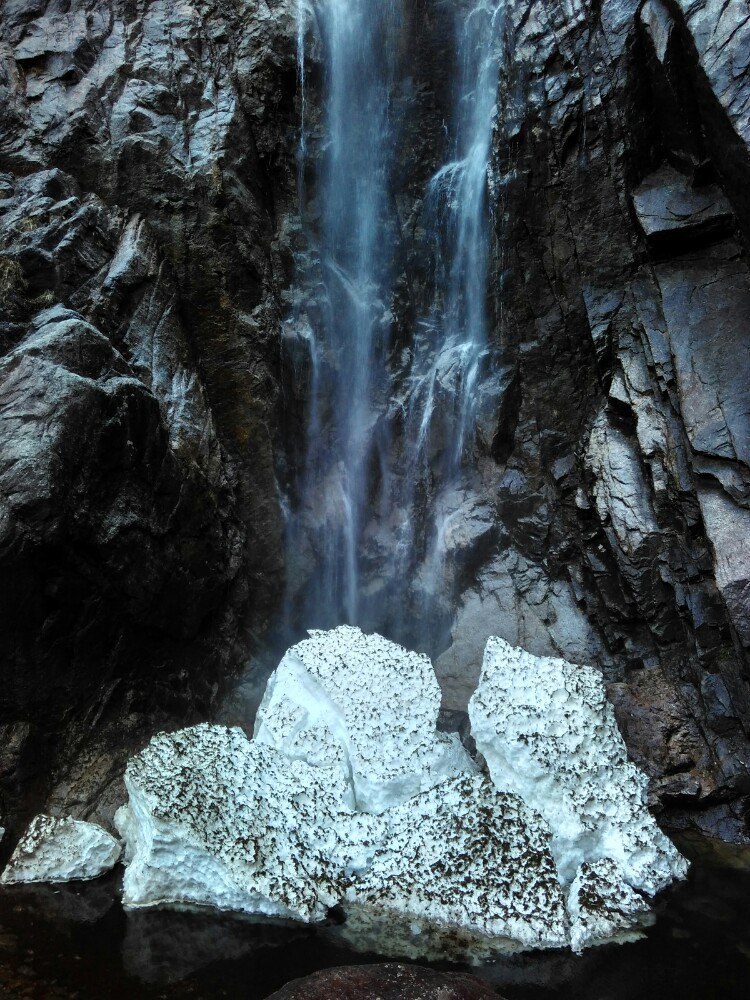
(655, 717)
(134, 193)
(674, 214)
(61, 850)
(88, 466)
(389, 982)
(728, 528)
(366, 704)
(516, 597)
(549, 734)
(619, 293)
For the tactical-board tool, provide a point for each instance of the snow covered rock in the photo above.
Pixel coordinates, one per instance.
(216, 820)
(61, 850)
(465, 871)
(549, 735)
(369, 706)
(602, 907)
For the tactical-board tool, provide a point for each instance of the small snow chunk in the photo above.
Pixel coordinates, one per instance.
(464, 872)
(549, 735)
(215, 820)
(603, 909)
(367, 705)
(61, 850)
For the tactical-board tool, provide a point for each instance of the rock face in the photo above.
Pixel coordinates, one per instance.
(549, 735)
(138, 511)
(61, 850)
(618, 478)
(148, 238)
(367, 704)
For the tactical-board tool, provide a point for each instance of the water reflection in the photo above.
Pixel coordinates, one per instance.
(698, 949)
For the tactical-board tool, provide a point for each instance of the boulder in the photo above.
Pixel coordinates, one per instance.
(387, 982)
(549, 735)
(369, 705)
(61, 850)
(669, 208)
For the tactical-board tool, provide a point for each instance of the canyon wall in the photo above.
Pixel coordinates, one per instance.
(151, 254)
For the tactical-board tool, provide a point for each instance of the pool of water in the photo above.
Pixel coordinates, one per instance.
(75, 941)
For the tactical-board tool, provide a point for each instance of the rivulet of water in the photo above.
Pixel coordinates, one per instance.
(357, 472)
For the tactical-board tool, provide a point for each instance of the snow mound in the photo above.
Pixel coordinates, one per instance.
(366, 705)
(348, 795)
(603, 909)
(549, 735)
(464, 872)
(61, 850)
(215, 820)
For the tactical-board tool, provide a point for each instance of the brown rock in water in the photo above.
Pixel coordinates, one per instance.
(386, 982)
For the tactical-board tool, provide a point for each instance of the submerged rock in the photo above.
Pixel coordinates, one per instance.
(465, 872)
(549, 734)
(61, 850)
(369, 706)
(387, 982)
(602, 907)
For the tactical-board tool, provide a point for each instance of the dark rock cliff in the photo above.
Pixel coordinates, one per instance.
(139, 524)
(149, 245)
(620, 178)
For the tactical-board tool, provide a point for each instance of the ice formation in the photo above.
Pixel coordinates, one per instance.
(603, 908)
(464, 871)
(61, 850)
(214, 819)
(549, 735)
(369, 706)
(348, 795)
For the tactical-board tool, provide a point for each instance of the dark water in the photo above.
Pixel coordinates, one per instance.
(77, 942)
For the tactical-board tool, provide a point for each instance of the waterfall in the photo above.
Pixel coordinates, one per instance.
(358, 470)
(451, 342)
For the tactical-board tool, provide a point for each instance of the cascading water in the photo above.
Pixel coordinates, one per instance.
(357, 470)
(349, 349)
(452, 341)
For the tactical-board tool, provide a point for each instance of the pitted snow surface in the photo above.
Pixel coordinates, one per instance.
(549, 735)
(603, 908)
(364, 703)
(465, 871)
(348, 795)
(61, 850)
(215, 820)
